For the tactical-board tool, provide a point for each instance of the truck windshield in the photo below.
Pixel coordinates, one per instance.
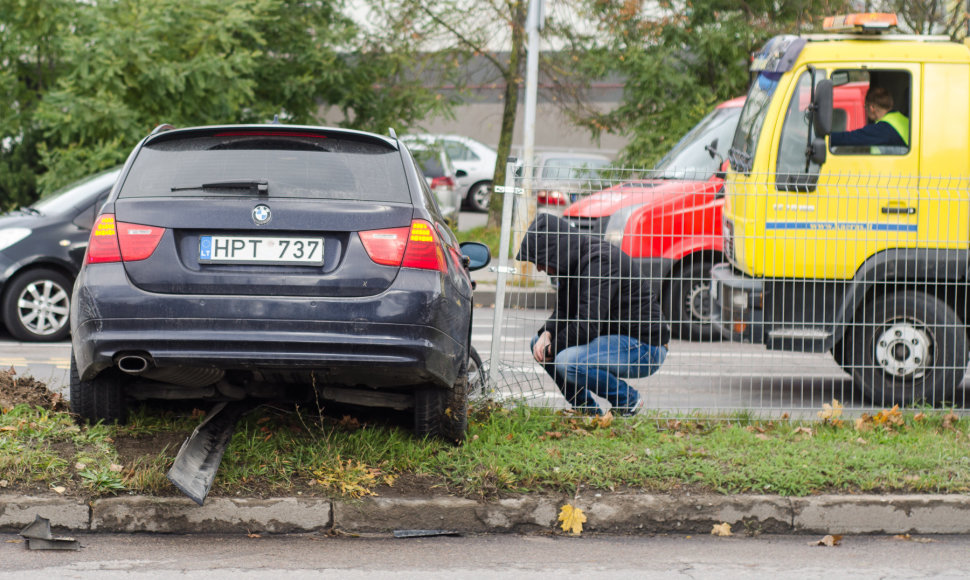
(752, 119)
(689, 159)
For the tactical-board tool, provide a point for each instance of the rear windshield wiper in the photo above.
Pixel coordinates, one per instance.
(260, 186)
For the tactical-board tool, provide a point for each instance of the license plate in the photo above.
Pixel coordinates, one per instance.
(260, 250)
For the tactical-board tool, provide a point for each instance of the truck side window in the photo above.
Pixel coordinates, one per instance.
(883, 127)
(794, 172)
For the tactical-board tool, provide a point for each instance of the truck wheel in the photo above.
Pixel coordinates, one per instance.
(688, 304)
(479, 195)
(36, 305)
(911, 348)
(102, 399)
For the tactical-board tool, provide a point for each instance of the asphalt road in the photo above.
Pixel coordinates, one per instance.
(109, 556)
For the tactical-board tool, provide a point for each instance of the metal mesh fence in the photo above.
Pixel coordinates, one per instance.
(782, 292)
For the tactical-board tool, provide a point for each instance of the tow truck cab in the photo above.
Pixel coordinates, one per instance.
(861, 251)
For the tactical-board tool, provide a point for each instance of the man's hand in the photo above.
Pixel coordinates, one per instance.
(541, 348)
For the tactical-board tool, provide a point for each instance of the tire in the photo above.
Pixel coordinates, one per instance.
(102, 399)
(911, 348)
(37, 305)
(479, 196)
(687, 304)
(443, 413)
(477, 379)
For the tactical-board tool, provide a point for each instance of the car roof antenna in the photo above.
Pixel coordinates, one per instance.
(276, 119)
(392, 132)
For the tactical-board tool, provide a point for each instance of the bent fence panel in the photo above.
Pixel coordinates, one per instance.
(850, 288)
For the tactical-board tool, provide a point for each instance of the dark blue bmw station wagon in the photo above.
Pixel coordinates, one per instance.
(267, 261)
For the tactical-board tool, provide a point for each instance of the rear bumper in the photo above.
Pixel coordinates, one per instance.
(411, 334)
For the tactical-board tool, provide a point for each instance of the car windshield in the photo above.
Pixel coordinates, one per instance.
(572, 168)
(752, 119)
(689, 159)
(76, 194)
(301, 165)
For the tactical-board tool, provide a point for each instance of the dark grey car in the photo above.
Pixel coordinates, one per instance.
(273, 261)
(41, 250)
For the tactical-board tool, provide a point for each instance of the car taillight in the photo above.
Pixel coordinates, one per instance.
(408, 247)
(113, 241)
(443, 181)
(138, 242)
(552, 198)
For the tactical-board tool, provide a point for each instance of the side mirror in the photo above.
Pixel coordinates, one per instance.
(823, 108)
(461, 173)
(721, 174)
(818, 151)
(477, 255)
(711, 148)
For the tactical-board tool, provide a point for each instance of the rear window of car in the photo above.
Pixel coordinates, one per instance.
(300, 165)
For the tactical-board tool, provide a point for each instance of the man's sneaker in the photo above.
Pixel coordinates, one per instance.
(634, 410)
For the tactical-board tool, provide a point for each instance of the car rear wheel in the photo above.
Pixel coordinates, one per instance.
(443, 412)
(102, 399)
(479, 196)
(37, 305)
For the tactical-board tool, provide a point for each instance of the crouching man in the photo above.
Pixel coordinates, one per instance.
(606, 326)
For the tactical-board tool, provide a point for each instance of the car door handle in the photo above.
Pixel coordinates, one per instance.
(896, 210)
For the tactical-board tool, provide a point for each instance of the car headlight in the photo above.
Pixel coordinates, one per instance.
(11, 236)
(616, 225)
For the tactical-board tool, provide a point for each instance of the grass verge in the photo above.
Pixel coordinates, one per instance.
(289, 451)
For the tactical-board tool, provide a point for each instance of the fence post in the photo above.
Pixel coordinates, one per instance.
(503, 270)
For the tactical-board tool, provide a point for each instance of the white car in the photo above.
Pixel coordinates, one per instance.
(475, 165)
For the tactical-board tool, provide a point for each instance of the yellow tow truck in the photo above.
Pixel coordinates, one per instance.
(854, 243)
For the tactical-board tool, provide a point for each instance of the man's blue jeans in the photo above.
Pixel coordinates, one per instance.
(600, 367)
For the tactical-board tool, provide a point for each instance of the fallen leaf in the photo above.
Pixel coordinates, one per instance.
(253, 536)
(921, 416)
(4, 483)
(509, 437)
(804, 431)
(863, 423)
(115, 468)
(572, 519)
(762, 437)
(59, 488)
(603, 421)
(13, 541)
(8, 428)
(861, 441)
(80, 466)
(830, 413)
(949, 419)
(830, 541)
(906, 537)
(723, 529)
(554, 434)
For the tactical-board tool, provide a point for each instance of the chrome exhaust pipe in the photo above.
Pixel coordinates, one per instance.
(132, 364)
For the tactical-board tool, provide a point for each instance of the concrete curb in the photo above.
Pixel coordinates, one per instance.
(606, 513)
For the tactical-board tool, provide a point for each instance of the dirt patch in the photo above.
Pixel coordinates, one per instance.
(25, 390)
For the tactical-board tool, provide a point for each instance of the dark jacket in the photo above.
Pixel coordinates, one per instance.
(600, 291)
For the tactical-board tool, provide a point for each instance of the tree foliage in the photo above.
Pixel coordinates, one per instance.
(468, 32)
(677, 59)
(114, 69)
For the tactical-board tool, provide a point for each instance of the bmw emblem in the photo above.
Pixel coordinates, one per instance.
(261, 214)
